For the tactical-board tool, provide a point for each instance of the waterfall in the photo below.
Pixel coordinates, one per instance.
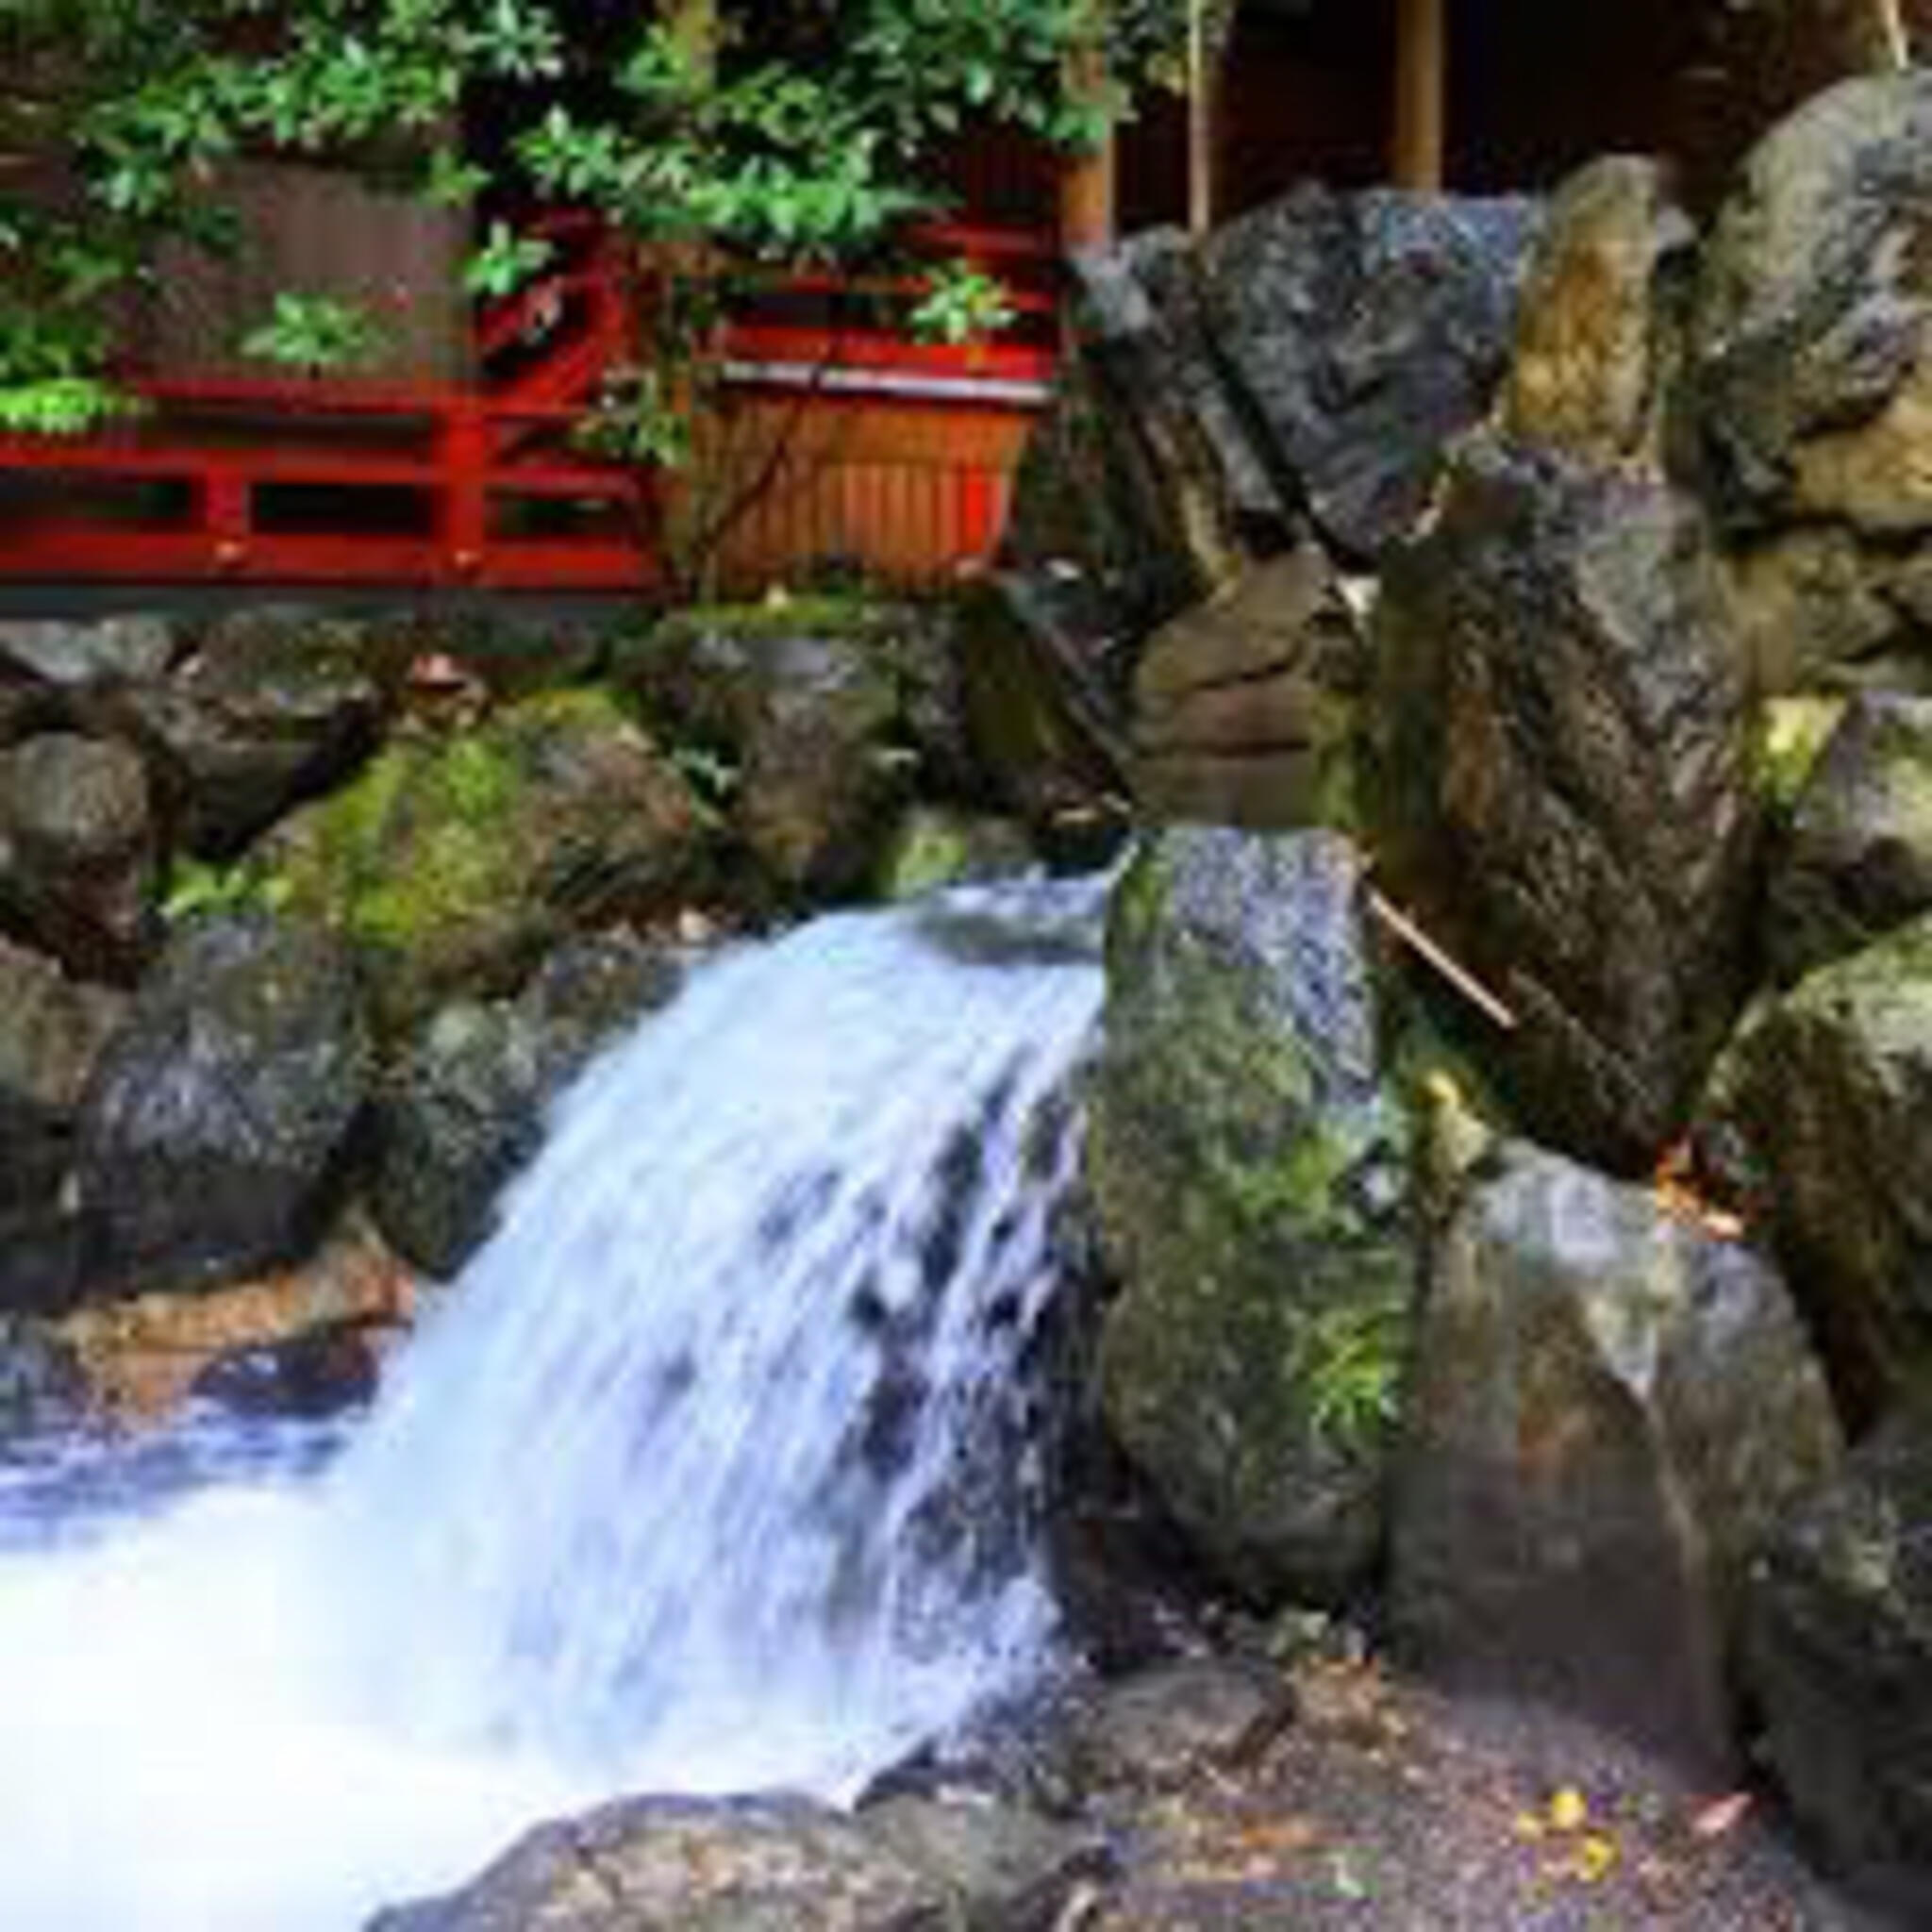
(719, 1469)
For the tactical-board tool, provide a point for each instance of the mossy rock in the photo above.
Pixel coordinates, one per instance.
(816, 718)
(1856, 858)
(455, 865)
(1250, 1171)
(1814, 1124)
(1788, 736)
(934, 847)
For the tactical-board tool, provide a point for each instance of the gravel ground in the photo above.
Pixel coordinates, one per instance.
(1386, 1807)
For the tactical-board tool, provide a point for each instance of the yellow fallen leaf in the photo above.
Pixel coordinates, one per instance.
(1529, 1824)
(1596, 1858)
(1569, 1808)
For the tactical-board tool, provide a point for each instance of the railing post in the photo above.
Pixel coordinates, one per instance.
(227, 513)
(465, 492)
(1087, 183)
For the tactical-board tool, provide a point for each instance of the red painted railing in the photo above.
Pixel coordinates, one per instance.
(337, 482)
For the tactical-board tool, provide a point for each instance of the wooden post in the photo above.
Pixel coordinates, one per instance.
(1086, 181)
(1892, 31)
(1421, 83)
(1202, 75)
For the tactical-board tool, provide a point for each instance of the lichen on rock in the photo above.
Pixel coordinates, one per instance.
(1249, 1167)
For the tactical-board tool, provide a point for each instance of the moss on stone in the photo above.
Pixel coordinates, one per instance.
(454, 862)
(1791, 735)
(1250, 1171)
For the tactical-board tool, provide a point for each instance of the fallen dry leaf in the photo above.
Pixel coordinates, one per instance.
(1721, 1815)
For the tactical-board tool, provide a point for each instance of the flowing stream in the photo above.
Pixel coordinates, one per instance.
(719, 1469)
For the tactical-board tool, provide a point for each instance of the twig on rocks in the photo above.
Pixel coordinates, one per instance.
(1398, 923)
(1892, 25)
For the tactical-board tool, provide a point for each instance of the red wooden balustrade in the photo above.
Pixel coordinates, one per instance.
(903, 464)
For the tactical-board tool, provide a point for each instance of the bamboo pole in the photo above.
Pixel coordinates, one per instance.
(1420, 84)
(1465, 982)
(1202, 89)
(1891, 29)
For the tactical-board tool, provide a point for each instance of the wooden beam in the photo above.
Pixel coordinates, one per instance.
(1088, 186)
(1422, 60)
(1202, 74)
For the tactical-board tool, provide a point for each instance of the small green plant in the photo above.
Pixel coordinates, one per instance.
(1350, 1360)
(713, 776)
(195, 888)
(62, 405)
(961, 304)
(506, 262)
(317, 333)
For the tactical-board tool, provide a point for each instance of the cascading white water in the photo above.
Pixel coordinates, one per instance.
(717, 1468)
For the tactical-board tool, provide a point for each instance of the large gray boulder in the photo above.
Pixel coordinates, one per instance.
(817, 717)
(770, 1865)
(1839, 1663)
(1596, 333)
(1206, 489)
(1810, 376)
(1609, 1409)
(1562, 784)
(1364, 332)
(463, 1110)
(85, 656)
(1806, 396)
(1857, 860)
(1249, 1173)
(454, 866)
(217, 1117)
(1166, 1727)
(78, 851)
(52, 1029)
(275, 706)
(1814, 1125)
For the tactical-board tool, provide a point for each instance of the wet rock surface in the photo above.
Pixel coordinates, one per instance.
(934, 847)
(1595, 335)
(1609, 1411)
(1365, 332)
(1813, 1126)
(78, 851)
(453, 867)
(42, 1387)
(292, 1342)
(217, 1116)
(1244, 707)
(1248, 1171)
(51, 1030)
(465, 1107)
(87, 656)
(1857, 861)
(1197, 488)
(768, 1865)
(819, 713)
(1561, 785)
(275, 706)
(1173, 1724)
(1839, 1662)
(1808, 368)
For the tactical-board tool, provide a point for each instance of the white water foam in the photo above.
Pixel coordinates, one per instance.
(716, 1471)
